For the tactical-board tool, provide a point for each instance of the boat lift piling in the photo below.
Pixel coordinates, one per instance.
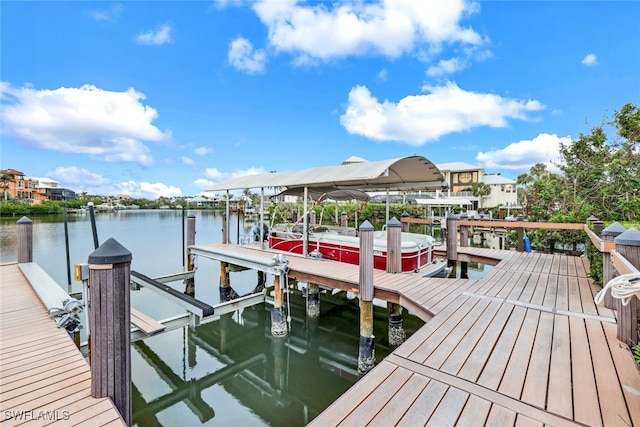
(24, 231)
(366, 351)
(396, 332)
(452, 243)
(189, 282)
(109, 275)
(464, 242)
(279, 327)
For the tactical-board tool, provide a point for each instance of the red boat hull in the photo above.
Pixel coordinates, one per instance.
(411, 260)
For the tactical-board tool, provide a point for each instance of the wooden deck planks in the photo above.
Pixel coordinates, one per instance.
(522, 346)
(41, 370)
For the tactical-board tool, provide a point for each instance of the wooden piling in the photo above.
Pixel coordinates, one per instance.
(628, 245)
(452, 240)
(313, 301)
(394, 246)
(109, 275)
(405, 225)
(225, 230)
(189, 283)
(520, 247)
(344, 220)
(278, 317)
(464, 242)
(366, 351)
(24, 231)
(608, 272)
(225, 282)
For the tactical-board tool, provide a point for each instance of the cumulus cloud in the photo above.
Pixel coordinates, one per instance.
(86, 120)
(111, 14)
(202, 151)
(521, 155)
(187, 160)
(590, 60)
(155, 38)
(417, 119)
(243, 57)
(147, 190)
(82, 180)
(446, 66)
(215, 176)
(324, 31)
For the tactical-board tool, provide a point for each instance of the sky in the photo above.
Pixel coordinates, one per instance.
(166, 98)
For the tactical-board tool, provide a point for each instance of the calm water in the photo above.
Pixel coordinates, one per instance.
(229, 372)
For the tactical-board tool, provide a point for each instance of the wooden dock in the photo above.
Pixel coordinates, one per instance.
(43, 377)
(524, 345)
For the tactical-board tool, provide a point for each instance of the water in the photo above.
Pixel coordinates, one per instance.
(229, 372)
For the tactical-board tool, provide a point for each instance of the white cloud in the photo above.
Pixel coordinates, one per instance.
(80, 179)
(202, 151)
(590, 60)
(417, 119)
(187, 160)
(222, 4)
(86, 120)
(446, 66)
(147, 190)
(158, 37)
(243, 57)
(111, 14)
(324, 31)
(214, 176)
(521, 155)
(383, 75)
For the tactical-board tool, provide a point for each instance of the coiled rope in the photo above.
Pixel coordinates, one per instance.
(623, 287)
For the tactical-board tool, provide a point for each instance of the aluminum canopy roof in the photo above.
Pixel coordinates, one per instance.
(405, 173)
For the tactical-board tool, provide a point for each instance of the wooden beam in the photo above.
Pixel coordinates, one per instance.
(621, 264)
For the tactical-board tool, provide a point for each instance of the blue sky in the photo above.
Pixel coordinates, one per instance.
(165, 98)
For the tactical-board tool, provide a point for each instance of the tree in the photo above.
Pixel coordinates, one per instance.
(480, 190)
(5, 180)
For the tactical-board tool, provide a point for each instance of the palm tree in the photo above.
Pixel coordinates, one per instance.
(480, 190)
(5, 180)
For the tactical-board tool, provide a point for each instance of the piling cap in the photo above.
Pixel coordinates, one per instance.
(631, 237)
(614, 229)
(366, 226)
(452, 216)
(24, 220)
(405, 214)
(592, 218)
(110, 252)
(394, 222)
(464, 215)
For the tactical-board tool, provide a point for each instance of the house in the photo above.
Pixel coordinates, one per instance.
(15, 185)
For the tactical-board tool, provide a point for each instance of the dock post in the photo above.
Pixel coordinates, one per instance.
(452, 243)
(278, 317)
(226, 292)
(109, 278)
(313, 301)
(405, 225)
(396, 331)
(189, 284)
(366, 353)
(520, 247)
(312, 218)
(25, 240)
(464, 242)
(628, 245)
(608, 272)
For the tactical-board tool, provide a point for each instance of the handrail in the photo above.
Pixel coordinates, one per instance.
(621, 264)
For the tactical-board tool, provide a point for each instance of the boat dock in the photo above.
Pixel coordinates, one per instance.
(524, 345)
(44, 378)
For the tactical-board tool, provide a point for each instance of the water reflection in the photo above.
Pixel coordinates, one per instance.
(235, 373)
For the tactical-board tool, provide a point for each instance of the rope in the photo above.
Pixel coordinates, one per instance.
(623, 287)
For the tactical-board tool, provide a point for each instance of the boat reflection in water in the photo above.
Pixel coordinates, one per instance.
(233, 372)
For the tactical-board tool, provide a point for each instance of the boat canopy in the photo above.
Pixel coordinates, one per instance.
(444, 202)
(406, 173)
(316, 193)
